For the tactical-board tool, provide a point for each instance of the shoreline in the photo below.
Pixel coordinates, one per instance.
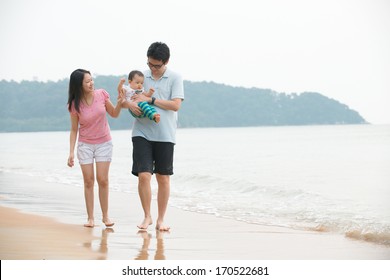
(59, 212)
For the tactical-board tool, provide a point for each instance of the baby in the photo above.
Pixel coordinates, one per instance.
(136, 81)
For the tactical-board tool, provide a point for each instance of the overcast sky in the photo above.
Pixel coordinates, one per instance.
(339, 48)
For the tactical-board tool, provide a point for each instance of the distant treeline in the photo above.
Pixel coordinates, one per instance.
(41, 106)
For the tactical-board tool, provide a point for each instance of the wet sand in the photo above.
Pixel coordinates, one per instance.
(26, 236)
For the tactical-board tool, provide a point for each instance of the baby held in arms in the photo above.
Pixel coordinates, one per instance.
(136, 81)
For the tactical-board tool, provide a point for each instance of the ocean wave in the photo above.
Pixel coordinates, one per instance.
(279, 206)
(376, 237)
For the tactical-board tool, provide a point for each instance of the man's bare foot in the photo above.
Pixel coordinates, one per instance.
(157, 118)
(108, 222)
(145, 223)
(161, 227)
(90, 223)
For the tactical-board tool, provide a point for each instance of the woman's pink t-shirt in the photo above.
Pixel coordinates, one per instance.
(93, 124)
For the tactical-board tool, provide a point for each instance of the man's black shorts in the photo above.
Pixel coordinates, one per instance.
(152, 157)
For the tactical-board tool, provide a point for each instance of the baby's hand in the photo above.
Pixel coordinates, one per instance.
(120, 85)
(149, 93)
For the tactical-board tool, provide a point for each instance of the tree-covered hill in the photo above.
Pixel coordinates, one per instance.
(39, 106)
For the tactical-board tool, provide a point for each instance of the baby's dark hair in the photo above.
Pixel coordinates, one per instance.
(133, 73)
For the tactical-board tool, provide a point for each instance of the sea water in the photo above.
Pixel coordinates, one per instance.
(325, 178)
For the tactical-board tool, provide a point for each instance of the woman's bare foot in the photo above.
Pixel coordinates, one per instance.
(108, 222)
(90, 223)
(145, 223)
(161, 227)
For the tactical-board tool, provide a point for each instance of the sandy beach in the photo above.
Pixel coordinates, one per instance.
(50, 226)
(26, 236)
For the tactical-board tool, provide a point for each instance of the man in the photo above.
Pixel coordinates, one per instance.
(153, 143)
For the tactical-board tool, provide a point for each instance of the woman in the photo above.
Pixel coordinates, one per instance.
(88, 108)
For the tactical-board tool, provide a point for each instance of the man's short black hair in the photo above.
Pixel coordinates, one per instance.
(159, 51)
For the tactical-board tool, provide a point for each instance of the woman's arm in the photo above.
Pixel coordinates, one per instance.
(74, 120)
(115, 111)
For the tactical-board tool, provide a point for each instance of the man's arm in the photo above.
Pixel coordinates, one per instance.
(173, 104)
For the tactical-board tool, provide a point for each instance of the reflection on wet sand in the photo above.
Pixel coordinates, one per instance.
(103, 243)
(103, 246)
(144, 251)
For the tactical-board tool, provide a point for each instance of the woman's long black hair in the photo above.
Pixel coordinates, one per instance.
(75, 88)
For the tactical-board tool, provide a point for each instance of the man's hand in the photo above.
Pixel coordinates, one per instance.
(133, 107)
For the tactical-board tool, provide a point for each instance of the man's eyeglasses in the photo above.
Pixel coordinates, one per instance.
(155, 66)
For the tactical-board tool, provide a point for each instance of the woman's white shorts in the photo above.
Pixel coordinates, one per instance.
(86, 153)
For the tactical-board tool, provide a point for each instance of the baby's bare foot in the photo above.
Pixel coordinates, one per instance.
(157, 118)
